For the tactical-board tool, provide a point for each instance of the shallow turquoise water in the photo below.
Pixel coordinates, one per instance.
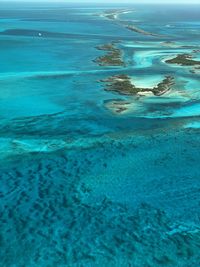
(80, 184)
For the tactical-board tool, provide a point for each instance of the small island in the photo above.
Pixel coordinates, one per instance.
(122, 84)
(183, 60)
(113, 56)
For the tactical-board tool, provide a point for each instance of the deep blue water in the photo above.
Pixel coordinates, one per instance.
(80, 184)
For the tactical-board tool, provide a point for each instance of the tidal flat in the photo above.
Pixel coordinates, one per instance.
(99, 135)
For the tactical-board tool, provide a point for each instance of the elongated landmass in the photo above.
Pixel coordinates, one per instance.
(113, 56)
(122, 84)
(138, 30)
(113, 15)
(183, 60)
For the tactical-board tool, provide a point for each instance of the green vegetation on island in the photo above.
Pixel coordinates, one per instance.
(183, 60)
(122, 84)
(113, 56)
(138, 30)
(164, 86)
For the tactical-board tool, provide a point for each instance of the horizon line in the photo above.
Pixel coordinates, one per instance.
(104, 1)
(97, 2)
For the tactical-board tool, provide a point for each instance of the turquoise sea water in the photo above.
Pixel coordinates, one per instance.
(80, 184)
